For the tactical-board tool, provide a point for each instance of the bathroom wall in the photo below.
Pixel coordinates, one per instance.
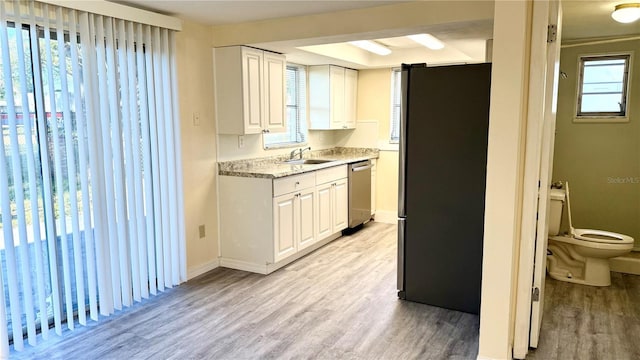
(601, 161)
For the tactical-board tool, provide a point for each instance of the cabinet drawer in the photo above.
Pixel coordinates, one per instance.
(293, 183)
(331, 174)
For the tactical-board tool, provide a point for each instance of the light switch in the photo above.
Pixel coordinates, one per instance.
(196, 119)
(240, 141)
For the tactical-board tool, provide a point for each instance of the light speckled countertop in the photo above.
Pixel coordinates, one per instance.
(272, 167)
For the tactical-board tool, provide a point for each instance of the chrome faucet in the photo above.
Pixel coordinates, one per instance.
(299, 152)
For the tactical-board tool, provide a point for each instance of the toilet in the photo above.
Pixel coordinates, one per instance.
(581, 256)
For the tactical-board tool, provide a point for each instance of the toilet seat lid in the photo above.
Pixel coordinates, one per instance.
(599, 236)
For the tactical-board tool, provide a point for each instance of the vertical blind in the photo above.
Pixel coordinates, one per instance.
(90, 200)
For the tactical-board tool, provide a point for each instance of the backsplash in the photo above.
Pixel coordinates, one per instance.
(267, 161)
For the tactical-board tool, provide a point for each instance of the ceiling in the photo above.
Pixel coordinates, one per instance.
(465, 42)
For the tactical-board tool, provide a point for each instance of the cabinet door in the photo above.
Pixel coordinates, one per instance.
(325, 217)
(340, 205)
(275, 86)
(350, 97)
(306, 210)
(252, 90)
(336, 76)
(284, 228)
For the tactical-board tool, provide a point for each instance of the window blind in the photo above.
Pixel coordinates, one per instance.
(90, 199)
(296, 109)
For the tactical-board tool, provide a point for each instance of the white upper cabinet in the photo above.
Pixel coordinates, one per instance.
(249, 90)
(351, 97)
(332, 97)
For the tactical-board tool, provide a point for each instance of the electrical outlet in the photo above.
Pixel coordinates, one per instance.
(240, 141)
(201, 231)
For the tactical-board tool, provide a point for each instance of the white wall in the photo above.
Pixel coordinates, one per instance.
(195, 91)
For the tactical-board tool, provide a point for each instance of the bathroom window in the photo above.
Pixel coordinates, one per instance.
(296, 110)
(603, 85)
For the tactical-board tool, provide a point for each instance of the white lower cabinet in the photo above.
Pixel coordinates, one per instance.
(294, 219)
(264, 223)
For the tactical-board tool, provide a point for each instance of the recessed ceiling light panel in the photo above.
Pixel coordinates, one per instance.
(371, 46)
(427, 40)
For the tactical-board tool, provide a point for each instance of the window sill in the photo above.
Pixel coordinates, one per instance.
(601, 119)
(284, 145)
(388, 146)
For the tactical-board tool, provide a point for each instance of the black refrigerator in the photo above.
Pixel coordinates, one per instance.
(443, 160)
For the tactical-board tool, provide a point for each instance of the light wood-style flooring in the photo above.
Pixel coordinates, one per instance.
(339, 302)
(587, 322)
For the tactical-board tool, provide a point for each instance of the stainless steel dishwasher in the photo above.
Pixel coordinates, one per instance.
(359, 192)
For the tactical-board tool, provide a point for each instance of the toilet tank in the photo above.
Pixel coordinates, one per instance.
(555, 212)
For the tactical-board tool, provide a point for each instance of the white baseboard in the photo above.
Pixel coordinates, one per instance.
(625, 265)
(387, 217)
(269, 268)
(202, 268)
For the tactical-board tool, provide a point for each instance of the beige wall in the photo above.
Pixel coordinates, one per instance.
(406, 15)
(374, 104)
(593, 156)
(228, 145)
(195, 94)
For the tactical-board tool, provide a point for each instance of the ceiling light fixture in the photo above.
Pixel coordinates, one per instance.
(371, 46)
(427, 40)
(626, 13)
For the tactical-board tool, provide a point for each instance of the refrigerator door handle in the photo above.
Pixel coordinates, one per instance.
(402, 146)
(401, 233)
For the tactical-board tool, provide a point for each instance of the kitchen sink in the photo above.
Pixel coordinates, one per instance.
(306, 161)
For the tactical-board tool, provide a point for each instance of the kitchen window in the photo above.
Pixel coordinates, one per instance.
(603, 84)
(296, 110)
(396, 103)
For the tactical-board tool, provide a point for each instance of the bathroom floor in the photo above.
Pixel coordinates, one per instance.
(586, 322)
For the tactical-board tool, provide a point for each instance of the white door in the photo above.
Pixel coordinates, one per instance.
(546, 169)
(537, 174)
(306, 209)
(340, 205)
(284, 226)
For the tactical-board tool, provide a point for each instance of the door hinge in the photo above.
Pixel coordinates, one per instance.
(535, 295)
(552, 33)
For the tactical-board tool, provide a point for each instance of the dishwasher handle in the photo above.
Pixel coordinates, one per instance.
(361, 168)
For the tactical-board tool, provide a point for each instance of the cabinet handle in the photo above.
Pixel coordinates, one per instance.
(265, 131)
(297, 183)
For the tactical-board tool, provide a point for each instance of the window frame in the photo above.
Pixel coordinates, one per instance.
(305, 118)
(603, 116)
(393, 105)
